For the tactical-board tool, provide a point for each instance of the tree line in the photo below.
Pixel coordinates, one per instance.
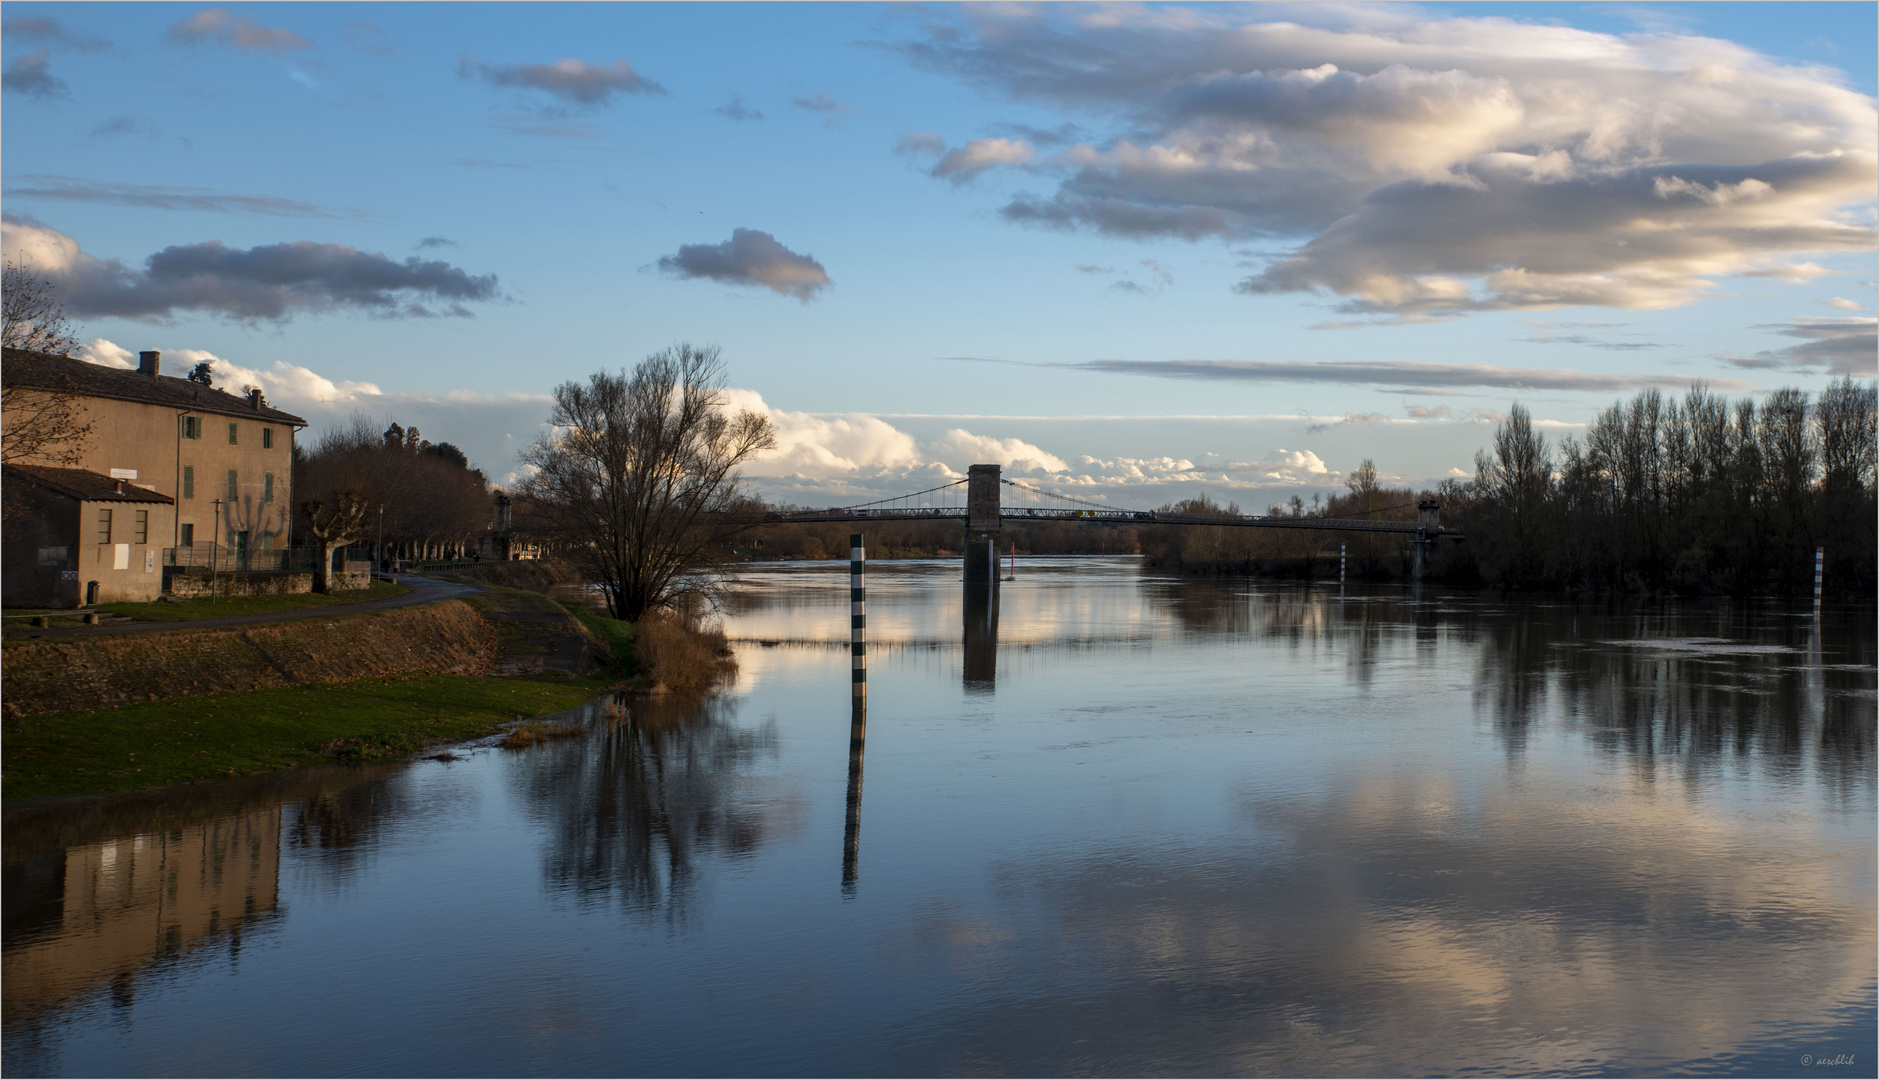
(1698, 494)
(357, 485)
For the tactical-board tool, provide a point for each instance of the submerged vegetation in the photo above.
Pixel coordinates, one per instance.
(683, 654)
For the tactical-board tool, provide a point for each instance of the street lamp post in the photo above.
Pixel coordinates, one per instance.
(378, 546)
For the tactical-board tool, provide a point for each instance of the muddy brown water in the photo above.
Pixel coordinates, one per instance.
(1110, 823)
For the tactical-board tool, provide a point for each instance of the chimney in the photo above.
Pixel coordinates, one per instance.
(149, 362)
(254, 397)
(120, 487)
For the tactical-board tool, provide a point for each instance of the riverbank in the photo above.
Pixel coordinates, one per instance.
(477, 666)
(215, 737)
(279, 696)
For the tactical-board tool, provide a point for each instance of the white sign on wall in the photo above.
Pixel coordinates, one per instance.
(123, 474)
(150, 562)
(121, 559)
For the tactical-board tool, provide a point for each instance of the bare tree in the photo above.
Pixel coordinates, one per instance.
(34, 318)
(639, 478)
(44, 424)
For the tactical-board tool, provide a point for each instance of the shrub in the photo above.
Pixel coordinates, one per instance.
(682, 654)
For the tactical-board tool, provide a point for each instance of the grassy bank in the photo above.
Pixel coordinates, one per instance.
(214, 737)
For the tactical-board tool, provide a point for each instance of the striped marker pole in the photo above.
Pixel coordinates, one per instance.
(1340, 563)
(858, 612)
(1820, 561)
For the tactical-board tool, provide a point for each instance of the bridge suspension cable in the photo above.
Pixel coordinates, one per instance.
(900, 498)
(1067, 498)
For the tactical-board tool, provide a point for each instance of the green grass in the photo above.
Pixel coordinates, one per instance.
(216, 736)
(166, 611)
(615, 634)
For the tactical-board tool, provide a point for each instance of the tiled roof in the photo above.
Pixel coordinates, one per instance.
(41, 371)
(83, 484)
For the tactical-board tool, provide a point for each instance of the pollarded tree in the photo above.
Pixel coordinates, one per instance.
(639, 477)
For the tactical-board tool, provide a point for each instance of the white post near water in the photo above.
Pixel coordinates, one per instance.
(1820, 561)
(858, 613)
(1341, 551)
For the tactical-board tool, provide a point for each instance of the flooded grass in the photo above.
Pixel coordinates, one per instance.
(528, 734)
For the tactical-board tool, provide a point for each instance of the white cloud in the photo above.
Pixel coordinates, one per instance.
(1016, 455)
(1435, 165)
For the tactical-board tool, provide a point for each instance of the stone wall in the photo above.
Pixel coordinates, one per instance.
(59, 674)
(194, 581)
(197, 582)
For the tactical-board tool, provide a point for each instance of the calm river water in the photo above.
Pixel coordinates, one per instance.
(1116, 824)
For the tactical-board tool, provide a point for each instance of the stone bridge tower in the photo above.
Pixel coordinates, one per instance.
(983, 527)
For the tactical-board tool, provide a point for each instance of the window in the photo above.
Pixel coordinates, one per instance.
(189, 481)
(232, 491)
(186, 536)
(231, 433)
(267, 488)
(267, 438)
(141, 534)
(192, 427)
(104, 526)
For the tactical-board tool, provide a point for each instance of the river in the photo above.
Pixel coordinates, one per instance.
(1111, 823)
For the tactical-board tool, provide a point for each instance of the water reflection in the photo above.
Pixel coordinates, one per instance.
(634, 808)
(980, 608)
(1200, 827)
(851, 831)
(1388, 926)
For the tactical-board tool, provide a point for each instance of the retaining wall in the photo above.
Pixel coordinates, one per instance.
(192, 581)
(99, 671)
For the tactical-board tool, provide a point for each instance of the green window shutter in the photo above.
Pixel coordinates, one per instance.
(192, 427)
(267, 488)
(231, 434)
(267, 438)
(232, 487)
(104, 526)
(189, 481)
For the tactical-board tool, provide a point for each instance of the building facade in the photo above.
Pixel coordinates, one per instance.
(221, 463)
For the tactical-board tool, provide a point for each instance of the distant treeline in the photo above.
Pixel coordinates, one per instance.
(1697, 495)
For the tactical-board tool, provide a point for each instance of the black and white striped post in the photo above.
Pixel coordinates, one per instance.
(1340, 563)
(1820, 561)
(858, 613)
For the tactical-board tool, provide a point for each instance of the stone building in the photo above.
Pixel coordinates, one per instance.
(171, 471)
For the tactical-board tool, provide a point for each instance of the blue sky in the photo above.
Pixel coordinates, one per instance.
(1057, 238)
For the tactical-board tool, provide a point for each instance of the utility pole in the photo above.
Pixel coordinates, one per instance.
(378, 546)
(214, 545)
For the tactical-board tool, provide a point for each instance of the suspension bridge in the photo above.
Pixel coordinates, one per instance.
(985, 500)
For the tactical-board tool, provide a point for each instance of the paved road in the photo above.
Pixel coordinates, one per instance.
(423, 591)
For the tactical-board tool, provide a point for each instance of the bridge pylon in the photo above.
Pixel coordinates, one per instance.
(984, 527)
